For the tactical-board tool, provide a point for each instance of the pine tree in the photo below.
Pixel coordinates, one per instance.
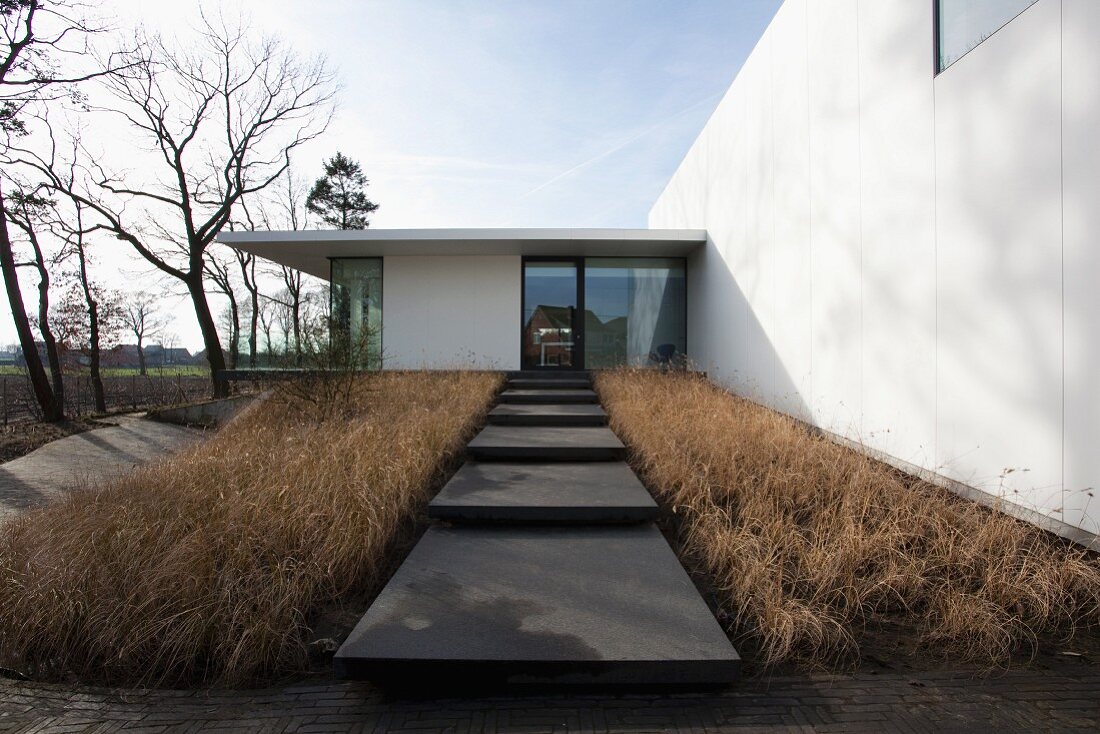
(339, 197)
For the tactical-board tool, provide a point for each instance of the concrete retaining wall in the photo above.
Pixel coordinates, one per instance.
(211, 414)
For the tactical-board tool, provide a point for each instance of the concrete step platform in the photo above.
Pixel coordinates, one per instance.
(564, 606)
(546, 443)
(549, 374)
(559, 383)
(548, 396)
(562, 492)
(523, 414)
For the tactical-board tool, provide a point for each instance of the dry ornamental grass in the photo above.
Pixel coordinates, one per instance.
(807, 541)
(209, 566)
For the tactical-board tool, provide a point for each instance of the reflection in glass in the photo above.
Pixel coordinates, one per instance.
(634, 311)
(549, 304)
(963, 24)
(357, 306)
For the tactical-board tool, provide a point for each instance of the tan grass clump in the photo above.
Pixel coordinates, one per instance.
(208, 566)
(807, 541)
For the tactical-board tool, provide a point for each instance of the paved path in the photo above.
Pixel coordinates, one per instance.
(903, 704)
(86, 457)
(507, 594)
(1063, 700)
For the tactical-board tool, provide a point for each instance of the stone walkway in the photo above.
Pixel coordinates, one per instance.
(76, 460)
(1062, 700)
(544, 566)
(1026, 701)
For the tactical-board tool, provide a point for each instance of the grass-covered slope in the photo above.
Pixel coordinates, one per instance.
(208, 566)
(807, 541)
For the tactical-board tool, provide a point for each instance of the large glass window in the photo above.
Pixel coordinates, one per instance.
(634, 311)
(356, 293)
(549, 313)
(963, 24)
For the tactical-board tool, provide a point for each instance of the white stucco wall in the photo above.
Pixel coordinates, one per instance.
(907, 260)
(451, 311)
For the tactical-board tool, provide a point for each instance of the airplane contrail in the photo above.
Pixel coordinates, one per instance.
(619, 146)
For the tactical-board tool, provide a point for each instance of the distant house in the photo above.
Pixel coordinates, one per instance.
(20, 359)
(121, 356)
(548, 336)
(125, 356)
(161, 356)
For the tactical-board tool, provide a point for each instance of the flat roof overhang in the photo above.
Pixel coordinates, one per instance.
(311, 250)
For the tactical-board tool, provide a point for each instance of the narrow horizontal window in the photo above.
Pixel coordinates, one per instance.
(963, 24)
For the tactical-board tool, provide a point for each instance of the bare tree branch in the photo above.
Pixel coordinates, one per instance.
(223, 117)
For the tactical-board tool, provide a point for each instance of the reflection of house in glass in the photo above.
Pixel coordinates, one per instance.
(548, 337)
(636, 308)
(605, 341)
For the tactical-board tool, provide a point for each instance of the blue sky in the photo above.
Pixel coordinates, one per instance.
(494, 113)
(542, 113)
(530, 113)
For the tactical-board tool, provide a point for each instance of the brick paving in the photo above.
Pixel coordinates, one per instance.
(1064, 701)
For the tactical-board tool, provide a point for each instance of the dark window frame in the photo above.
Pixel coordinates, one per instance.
(578, 315)
(580, 260)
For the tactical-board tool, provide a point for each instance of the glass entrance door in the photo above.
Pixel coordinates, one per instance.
(552, 307)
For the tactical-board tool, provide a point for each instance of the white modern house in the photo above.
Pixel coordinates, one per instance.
(889, 228)
(500, 298)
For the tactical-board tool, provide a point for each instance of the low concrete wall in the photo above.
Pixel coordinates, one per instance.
(209, 414)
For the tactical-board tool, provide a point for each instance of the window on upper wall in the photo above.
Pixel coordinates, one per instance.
(963, 24)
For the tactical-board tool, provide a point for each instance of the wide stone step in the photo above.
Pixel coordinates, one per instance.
(548, 396)
(549, 374)
(527, 383)
(571, 606)
(546, 443)
(523, 414)
(562, 492)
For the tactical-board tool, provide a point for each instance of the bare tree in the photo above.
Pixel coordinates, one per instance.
(268, 309)
(27, 211)
(316, 317)
(102, 310)
(222, 118)
(169, 341)
(284, 319)
(87, 320)
(230, 326)
(143, 321)
(283, 206)
(247, 264)
(38, 34)
(219, 271)
(292, 294)
(291, 208)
